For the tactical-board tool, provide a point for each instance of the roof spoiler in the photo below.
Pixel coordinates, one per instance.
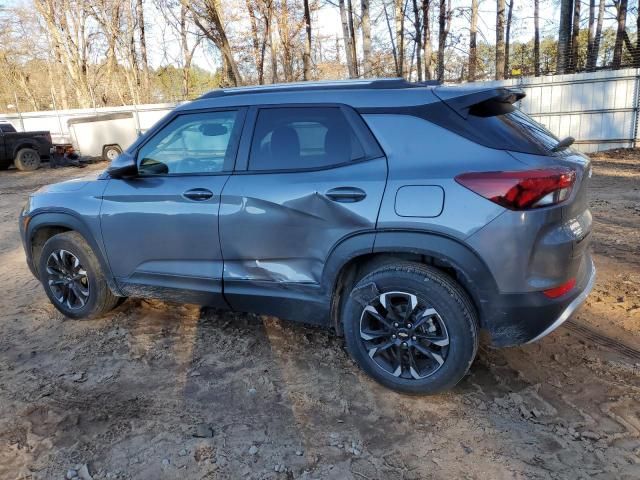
(466, 101)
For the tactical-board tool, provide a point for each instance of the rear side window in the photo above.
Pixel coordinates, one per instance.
(298, 138)
(517, 131)
(7, 128)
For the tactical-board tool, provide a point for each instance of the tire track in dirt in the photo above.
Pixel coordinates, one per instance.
(603, 340)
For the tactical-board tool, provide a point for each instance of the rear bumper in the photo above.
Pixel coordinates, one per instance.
(516, 319)
(567, 312)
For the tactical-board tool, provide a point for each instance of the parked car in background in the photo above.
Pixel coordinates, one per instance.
(405, 216)
(103, 136)
(24, 149)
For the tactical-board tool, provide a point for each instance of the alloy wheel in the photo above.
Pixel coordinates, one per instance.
(67, 279)
(404, 336)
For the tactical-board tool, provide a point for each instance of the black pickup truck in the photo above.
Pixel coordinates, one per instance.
(24, 149)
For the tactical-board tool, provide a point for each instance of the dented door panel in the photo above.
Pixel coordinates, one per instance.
(280, 227)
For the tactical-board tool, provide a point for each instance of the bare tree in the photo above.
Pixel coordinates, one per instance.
(592, 58)
(143, 50)
(366, 38)
(417, 25)
(444, 22)
(507, 41)
(573, 61)
(564, 35)
(500, 50)
(352, 32)
(306, 58)
(208, 18)
(473, 49)
(621, 17)
(536, 37)
(426, 38)
(399, 22)
(347, 38)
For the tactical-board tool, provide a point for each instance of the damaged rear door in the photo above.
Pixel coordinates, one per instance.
(308, 177)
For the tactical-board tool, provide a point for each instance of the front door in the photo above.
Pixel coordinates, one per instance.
(314, 176)
(160, 229)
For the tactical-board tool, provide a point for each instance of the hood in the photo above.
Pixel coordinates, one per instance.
(71, 185)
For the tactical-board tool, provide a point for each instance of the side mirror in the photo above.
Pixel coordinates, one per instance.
(124, 165)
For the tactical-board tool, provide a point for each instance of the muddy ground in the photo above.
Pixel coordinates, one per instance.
(155, 390)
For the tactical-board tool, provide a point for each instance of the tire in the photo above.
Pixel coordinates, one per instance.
(110, 152)
(88, 295)
(27, 160)
(440, 336)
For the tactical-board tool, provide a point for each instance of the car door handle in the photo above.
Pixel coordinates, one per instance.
(346, 194)
(198, 194)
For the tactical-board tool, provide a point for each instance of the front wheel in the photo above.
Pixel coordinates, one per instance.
(72, 277)
(411, 327)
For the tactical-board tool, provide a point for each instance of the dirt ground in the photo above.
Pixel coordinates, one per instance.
(163, 391)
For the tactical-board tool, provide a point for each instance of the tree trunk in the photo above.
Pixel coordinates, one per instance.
(507, 41)
(592, 61)
(352, 33)
(399, 21)
(564, 36)
(573, 63)
(255, 41)
(306, 57)
(500, 52)
(346, 38)
(622, 20)
(426, 39)
(473, 32)
(214, 31)
(592, 33)
(417, 24)
(442, 38)
(366, 38)
(536, 37)
(273, 46)
(146, 82)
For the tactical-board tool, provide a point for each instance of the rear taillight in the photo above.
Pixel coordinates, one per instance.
(560, 290)
(521, 190)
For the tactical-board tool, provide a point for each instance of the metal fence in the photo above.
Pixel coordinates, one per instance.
(599, 109)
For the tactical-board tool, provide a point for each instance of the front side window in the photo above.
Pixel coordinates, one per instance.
(191, 143)
(299, 138)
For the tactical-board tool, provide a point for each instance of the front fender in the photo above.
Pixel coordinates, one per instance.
(67, 220)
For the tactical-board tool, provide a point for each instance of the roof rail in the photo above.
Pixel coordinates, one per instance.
(368, 84)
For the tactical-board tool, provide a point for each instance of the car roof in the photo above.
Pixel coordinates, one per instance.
(361, 84)
(356, 93)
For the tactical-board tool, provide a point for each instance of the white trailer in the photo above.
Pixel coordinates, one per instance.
(104, 136)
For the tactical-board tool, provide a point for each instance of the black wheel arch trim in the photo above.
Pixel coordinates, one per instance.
(68, 220)
(473, 273)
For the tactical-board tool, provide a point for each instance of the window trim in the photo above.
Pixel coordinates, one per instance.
(368, 142)
(234, 140)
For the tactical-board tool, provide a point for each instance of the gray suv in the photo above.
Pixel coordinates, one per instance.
(406, 216)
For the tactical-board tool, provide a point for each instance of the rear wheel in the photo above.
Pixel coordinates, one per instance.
(27, 160)
(110, 152)
(411, 327)
(72, 277)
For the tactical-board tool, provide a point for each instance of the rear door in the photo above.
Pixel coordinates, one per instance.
(307, 178)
